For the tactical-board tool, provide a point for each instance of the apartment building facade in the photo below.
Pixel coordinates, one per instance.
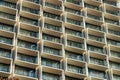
(60, 39)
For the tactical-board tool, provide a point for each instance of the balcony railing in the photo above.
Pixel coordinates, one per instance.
(6, 27)
(34, 11)
(98, 61)
(93, 7)
(96, 38)
(117, 13)
(53, 27)
(50, 76)
(6, 40)
(73, 11)
(94, 27)
(96, 73)
(75, 44)
(73, 32)
(5, 53)
(75, 56)
(112, 21)
(53, 16)
(28, 45)
(115, 54)
(4, 67)
(29, 33)
(25, 71)
(75, 69)
(53, 51)
(113, 42)
(7, 16)
(75, 2)
(29, 21)
(34, 1)
(8, 4)
(114, 32)
(75, 22)
(50, 63)
(51, 38)
(58, 7)
(27, 58)
(96, 49)
(94, 17)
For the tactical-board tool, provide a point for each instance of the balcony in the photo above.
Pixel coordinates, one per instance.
(27, 45)
(34, 1)
(53, 5)
(94, 17)
(75, 44)
(53, 27)
(116, 77)
(4, 67)
(113, 42)
(50, 76)
(115, 54)
(75, 69)
(113, 12)
(73, 32)
(51, 63)
(52, 16)
(75, 56)
(112, 3)
(5, 53)
(6, 40)
(79, 3)
(98, 61)
(52, 51)
(26, 58)
(114, 22)
(24, 73)
(73, 11)
(6, 27)
(71, 78)
(96, 38)
(8, 4)
(29, 33)
(114, 65)
(34, 11)
(7, 16)
(75, 22)
(97, 74)
(51, 38)
(93, 7)
(114, 32)
(95, 27)
(28, 21)
(96, 49)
